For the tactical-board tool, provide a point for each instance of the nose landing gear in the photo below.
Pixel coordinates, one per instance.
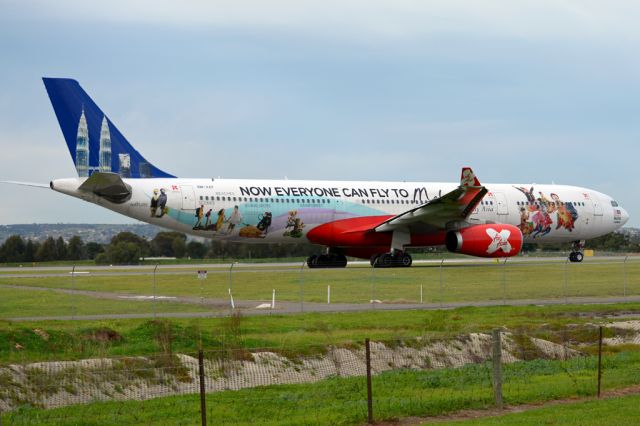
(576, 254)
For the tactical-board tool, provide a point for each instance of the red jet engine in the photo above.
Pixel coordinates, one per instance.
(495, 240)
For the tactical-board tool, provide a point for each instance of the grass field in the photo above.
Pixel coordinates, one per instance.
(336, 400)
(297, 332)
(340, 400)
(27, 303)
(454, 283)
(610, 411)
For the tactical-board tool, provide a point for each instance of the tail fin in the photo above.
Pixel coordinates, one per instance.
(468, 178)
(94, 143)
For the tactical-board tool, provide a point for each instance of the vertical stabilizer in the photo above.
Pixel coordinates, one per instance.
(94, 143)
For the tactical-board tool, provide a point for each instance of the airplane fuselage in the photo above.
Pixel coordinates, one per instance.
(285, 211)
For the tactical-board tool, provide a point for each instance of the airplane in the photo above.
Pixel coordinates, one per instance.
(377, 221)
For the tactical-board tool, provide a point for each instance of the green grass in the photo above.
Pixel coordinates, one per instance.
(296, 332)
(458, 283)
(341, 400)
(611, 411)
(28, 303)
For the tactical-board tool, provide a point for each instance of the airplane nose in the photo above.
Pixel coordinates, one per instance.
(625, 215)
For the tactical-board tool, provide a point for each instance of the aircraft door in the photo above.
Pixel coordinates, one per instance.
(501, 203)
(597, 205)
(188, 197)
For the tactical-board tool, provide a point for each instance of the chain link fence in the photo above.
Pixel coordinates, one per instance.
(346, 384)
(217, 290)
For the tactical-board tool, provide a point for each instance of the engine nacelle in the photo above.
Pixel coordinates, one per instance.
(495, 240)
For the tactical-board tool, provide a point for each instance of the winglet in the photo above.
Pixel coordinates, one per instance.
(468, 178)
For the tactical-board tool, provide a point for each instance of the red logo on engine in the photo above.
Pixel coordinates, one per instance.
(499, 240)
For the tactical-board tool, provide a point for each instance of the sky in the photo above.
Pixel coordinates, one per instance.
(522, 91)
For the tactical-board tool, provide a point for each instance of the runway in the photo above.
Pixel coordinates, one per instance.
(220, 268)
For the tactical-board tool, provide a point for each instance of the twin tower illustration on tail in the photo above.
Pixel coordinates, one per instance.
(94, 143)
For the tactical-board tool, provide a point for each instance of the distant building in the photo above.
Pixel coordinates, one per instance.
(82, 147)
(144, 169)
(124, 168)
(105, 146)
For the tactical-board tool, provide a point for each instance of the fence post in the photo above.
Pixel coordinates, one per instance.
(624, 268)
(441, 293)
(497, 367)
(154, 291)
(504, 281)
(369, 391)
(231, 277)
(73, 287)
(302, 286)
(203, 401)
(599, 358)
(566, 262)
(373, 283)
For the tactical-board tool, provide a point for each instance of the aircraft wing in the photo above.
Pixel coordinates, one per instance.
(438, 213)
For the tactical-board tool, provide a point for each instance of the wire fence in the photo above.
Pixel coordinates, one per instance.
(217, 290)
(347, 384)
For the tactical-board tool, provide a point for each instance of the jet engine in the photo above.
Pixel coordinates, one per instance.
(495, 240)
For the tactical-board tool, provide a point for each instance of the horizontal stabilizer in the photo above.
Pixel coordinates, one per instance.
(107, 185)
(35, 185)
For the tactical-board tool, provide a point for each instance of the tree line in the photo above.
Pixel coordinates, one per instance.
(129, 248)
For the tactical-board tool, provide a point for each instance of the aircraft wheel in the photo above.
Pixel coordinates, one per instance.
(312, 261)
(341, 261)
(374, 260)
(385, 260)
(579, 257)
(406, 260)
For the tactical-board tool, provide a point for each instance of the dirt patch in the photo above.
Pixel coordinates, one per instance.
(494, 412)
(103, 335)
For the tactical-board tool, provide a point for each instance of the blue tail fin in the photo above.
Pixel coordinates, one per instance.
(94, 143)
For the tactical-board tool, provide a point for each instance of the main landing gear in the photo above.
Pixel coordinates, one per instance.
(330, 260)
(576, 254)
(391, 260)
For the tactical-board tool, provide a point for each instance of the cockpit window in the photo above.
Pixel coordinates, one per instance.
(614, 203)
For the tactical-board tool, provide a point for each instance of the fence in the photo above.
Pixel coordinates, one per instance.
(201, 290)
(349, 384)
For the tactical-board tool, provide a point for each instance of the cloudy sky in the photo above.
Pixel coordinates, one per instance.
(522, 91)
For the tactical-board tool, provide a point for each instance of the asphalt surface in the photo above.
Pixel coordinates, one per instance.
(223, 268)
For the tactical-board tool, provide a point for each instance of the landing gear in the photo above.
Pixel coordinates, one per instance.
(388, 260)
(330, 260)
(576, 254)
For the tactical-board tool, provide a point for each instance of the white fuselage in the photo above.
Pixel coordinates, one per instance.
(286, 210)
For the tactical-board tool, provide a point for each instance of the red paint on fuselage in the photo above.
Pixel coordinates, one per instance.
(359, 239)
(354, 232)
